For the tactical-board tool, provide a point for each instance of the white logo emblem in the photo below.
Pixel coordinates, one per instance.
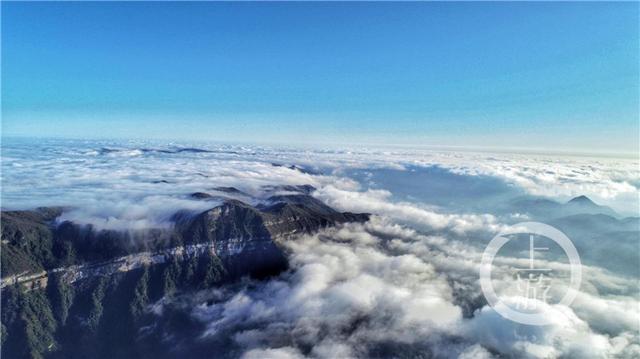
(532, 284)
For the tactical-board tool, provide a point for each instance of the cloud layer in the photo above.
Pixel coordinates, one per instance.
(380, 289)
(404, 284)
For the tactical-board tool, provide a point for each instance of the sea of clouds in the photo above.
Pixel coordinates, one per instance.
(354, 294)
(74, 172)
(381, 289)
(404, 284)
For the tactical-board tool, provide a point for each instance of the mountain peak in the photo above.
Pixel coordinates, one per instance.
(582, 200)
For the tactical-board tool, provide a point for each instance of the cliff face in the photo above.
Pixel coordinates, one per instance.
(65, 284)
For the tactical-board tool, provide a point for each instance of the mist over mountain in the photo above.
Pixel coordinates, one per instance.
(123, 250)
(319, 180)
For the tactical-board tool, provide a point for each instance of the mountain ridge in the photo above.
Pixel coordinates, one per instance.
(544, 208)
(35, 237)
(86, 292)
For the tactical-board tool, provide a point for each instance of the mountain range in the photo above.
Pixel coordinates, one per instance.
(74, 291)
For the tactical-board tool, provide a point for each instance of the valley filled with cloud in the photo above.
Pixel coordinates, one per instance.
(403, 284)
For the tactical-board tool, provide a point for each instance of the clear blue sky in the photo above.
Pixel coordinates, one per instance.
(541, 75)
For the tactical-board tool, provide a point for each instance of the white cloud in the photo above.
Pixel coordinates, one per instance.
(278, 353)
(400, 282)
(379, 202)
(363, 287)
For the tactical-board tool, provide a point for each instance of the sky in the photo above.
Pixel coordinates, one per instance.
(552, 76)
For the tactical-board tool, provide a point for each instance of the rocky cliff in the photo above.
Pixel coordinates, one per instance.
(65, 284)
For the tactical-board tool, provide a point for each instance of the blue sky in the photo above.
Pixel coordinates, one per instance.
(536, 75)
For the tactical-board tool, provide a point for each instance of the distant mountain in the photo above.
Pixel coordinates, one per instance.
(230, 190)
(598, 222)
(582, 204)
(298, 168)
(605, 241)
(582, 200)
(542, 208)
(596, 231)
